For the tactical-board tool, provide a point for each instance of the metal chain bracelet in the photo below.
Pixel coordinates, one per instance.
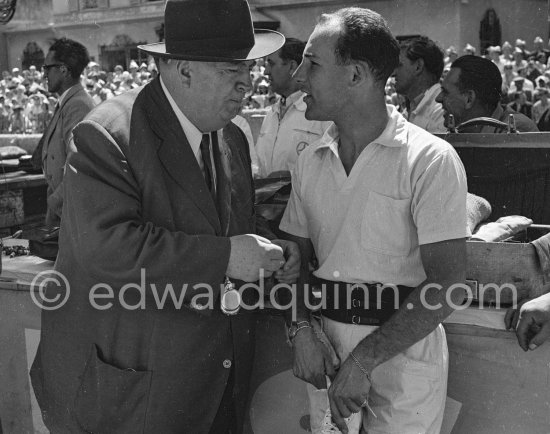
(360, 366)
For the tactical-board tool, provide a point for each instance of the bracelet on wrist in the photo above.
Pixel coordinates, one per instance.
(360, 366)
(295, 328)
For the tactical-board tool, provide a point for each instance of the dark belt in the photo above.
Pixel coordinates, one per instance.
(361, 303)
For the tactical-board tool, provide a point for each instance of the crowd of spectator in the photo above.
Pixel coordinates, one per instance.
(26, 106)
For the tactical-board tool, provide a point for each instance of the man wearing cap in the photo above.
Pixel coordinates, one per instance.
(64, 63)
(494, 55)
(133, 69)
(16, 77)
(118, 70)
(144, 75)
(160, 214)
(538, 53)
(470, 49)
(285, 132)
(473, 89)
(417, 77)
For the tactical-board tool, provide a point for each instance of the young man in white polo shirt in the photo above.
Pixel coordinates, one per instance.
(378, 200)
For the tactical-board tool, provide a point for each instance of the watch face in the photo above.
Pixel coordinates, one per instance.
(231, 302)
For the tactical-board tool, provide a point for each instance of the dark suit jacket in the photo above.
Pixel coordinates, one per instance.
(137, 210)
(56, 145)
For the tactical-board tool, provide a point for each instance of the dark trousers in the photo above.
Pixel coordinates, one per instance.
(225, 421)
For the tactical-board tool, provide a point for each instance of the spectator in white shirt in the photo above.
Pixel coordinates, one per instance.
(285, 131)
(417, 78)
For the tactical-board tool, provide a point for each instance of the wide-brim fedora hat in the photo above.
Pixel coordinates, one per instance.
(212, 31)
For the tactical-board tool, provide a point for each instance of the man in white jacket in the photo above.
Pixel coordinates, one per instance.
(417, 78)
(285, 131)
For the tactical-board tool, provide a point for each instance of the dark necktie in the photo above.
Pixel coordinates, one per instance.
(207, 162)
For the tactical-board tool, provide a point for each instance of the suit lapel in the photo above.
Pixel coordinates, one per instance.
(176, 155)
(222, 160)
(51, 126)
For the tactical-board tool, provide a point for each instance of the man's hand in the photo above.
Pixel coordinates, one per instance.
(251, 253)
(312, 361)
(290, 271)
(531, 322)
(347, 393)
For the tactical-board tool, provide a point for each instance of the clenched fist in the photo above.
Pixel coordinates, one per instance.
(251, 253)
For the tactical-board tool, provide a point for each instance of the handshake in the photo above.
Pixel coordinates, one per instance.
(252, 253)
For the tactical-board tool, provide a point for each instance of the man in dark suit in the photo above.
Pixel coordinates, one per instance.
(65, 61)
(158, 225)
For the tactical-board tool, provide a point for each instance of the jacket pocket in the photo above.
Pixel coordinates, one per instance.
(386, 225)
(111, 400)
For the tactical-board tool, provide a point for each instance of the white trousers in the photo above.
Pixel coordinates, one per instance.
(408, 392)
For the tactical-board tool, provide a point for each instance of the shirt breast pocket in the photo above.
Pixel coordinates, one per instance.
(386, 225)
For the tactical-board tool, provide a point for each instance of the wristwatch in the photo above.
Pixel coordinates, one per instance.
(295, 327)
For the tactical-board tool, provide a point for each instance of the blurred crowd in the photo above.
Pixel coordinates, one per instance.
(26, 106)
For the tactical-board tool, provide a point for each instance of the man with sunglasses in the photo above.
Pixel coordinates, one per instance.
(65, 61)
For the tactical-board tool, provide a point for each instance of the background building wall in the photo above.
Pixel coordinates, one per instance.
(450, 22)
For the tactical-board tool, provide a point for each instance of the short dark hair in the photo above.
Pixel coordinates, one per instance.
(365, 37)
(292, 50)
(71, 53)
(422, 47)
(482, 76)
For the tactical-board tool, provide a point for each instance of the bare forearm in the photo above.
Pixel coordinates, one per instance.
(299, 310)
(416, 319)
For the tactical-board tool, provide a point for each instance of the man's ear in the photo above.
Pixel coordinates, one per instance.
(419, 66)
(470, 98)
(293, 66)
(65, 70)
(360, 72)
(184, 71)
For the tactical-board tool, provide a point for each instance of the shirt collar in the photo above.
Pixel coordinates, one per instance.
(193, 134)
(296, 99)
(426, 98)
(394, 135)
(416, 101)
(497, 114)
(64, 95)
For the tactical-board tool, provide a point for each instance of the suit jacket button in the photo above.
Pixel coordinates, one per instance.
(227, 363)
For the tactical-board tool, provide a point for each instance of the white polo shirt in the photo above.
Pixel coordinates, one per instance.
(407, 188)
(428, 114)
(283, 138)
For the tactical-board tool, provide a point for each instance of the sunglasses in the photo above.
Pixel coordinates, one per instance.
(46, 68)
